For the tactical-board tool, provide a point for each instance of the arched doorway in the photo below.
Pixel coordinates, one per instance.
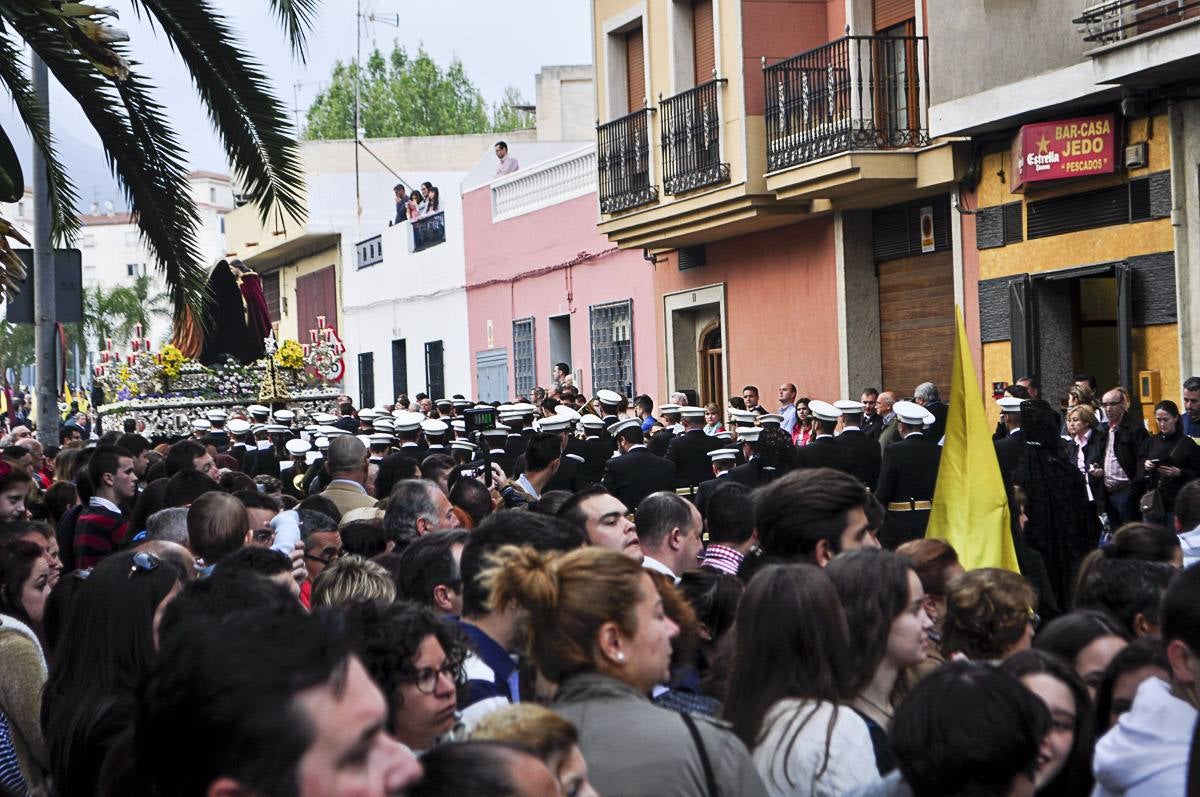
(711, 352)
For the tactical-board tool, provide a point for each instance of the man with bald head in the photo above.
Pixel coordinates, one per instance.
(1125, 435)
(347, 461)
(886, 432)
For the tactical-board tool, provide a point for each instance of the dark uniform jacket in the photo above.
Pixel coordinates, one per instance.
(596, 455)
(515, 445)
(1009, 452)
(864, 453)
(871, 424)
(705, 489)
(635, 474)
(569, 476)
(660, 441)
(689, 452)
(824, 452)
(347, 422)
(753, 474)
(909, 473)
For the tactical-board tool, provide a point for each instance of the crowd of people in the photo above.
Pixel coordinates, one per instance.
(598, 595)
(417, 204)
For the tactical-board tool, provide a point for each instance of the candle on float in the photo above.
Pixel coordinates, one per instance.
(130, 359)
(137, 344)
(137, 330)
(108, 344)
(306, 348)
(147, 344)
(320, 322)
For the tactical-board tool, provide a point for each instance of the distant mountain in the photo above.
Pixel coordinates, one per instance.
(83, 159)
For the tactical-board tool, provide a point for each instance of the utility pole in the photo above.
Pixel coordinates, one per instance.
(357, 119)
(46, 365)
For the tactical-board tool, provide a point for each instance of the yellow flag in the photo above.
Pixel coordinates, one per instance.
(3, 401)
(67, 399)
(970, 507)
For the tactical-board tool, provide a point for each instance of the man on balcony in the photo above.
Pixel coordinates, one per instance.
(506, 165)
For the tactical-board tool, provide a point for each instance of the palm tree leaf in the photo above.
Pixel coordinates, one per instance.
(254, 126)
(142, 151)
(12, 179)
(14, 76)
(297, 18)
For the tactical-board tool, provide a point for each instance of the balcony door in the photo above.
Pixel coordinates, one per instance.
(895, 64)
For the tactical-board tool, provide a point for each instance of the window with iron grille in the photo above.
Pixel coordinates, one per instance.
(366, 380)
(611, 336)
(399, 367)
(524, 362)
(435, 373)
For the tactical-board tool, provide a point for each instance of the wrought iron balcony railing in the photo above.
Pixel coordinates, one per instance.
(429, 231)
(1109, 21)
(855, 93)
(623, 162)
(691, 150)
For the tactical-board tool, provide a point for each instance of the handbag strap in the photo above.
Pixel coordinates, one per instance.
(709, 778)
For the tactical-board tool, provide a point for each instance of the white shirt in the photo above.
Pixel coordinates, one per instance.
(525, 485)
(650, 563)
(96, 500)
(790, 754)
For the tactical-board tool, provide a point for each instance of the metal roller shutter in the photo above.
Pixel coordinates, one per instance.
(889, 13)
(703, 53)
(635, 63)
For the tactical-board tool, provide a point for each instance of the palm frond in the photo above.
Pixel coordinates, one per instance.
(297, 17)
(254, 126)
(142, 151)
(14, 76)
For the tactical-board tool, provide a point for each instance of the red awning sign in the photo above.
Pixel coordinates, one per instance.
(1065, 148)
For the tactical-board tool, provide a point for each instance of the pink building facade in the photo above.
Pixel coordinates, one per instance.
(544, 286)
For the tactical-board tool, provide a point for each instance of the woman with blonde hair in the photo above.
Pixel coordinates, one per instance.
(598, 630)
(540, 732)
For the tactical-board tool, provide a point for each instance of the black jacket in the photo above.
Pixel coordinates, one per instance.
(753, 474)
(596, 454)
(866, 457)
(908, 473)
(1178, 450)
(1128, 438)
(569, 476)
(1093, 454)
(635, 474)
(660, 441)
(939, 410)
(347, 422)
(1009, 451)
(689, 452)
(824, 452)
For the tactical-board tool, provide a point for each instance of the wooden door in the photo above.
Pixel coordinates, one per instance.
(316, 295)
(635, 69)
(712, 353)
(703, 43)
(916, 321)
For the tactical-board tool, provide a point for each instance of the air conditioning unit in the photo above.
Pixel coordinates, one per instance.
(1135, 156)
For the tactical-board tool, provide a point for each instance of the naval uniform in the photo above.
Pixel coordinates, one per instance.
(660, 441)
(824, 452)
(1010, 450)
(906, 484)
(865, 456)
(596, 454)
(635, 474)
(689, 452)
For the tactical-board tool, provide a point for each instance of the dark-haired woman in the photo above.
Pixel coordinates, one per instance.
(885, 611)
(416, 659)
(1142, 658)
(1087, 640)
(107, 646)
(1065, 762)
(1167, 461)
(936, 564)
(24, 584)
(790, 679)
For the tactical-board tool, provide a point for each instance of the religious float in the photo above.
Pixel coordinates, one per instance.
(226, 355)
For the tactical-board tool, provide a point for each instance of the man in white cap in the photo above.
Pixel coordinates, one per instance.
(659, 439)
(408, 432)
(636, 472)
(824, 451)
(723, 460)
(1011, 448)
(908, 476)
(689, 451)
(239, 441)
(217, 436)
(569, 473)
(864, 452)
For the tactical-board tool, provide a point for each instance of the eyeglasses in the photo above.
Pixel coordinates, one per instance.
(264, 536)
(144, 562)
(327, 555)
(426, 678)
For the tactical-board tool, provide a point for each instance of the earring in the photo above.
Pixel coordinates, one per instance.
(621, 657)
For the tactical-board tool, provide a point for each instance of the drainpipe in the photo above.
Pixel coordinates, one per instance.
(1179, 226)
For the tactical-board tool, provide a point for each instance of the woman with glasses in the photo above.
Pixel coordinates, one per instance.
(25, 575)
(1167, 461)
(989, 615)
(416, 659)
(106, 647)
(599, 632)
(1065, 760)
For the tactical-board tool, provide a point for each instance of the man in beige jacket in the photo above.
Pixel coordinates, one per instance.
(347, 463)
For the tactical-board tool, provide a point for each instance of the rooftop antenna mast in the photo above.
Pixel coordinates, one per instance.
(359, 132)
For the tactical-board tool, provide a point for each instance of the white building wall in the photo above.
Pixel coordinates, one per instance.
(414, 296)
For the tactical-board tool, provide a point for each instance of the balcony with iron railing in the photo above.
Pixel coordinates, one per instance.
(691, 139)
(623, 163)
(1105, 22)
(855, 93)
(428, 231)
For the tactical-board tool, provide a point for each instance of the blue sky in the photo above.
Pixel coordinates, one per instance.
(500, 44)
